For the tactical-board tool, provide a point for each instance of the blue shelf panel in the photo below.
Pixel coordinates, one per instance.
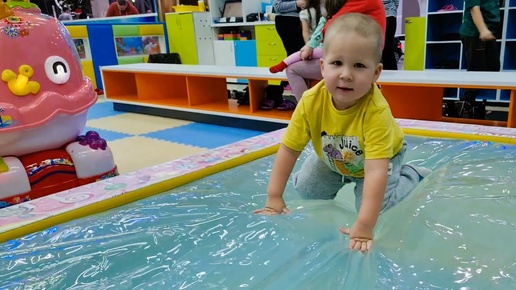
(505, 96)
(511, 25)
(450, 93)
(443, 27)
(435, 5)
(245, 55)
(489, 95)
(442, 55)
(509, 60)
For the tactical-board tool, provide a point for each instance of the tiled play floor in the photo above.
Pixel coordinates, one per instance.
(139, 141)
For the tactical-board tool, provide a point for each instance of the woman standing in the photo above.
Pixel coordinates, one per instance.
(288, 24)
(391, 13)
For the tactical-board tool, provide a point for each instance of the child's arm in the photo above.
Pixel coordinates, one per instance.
(305, 25)
(283, 165)
(478, 19)
(375, 183)
(315, 40)
(306, 30)
(317, 36)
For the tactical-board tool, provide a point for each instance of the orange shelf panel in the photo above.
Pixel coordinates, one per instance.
(414, 102)
(276, 114)
(256, 93)
(130, 98)
(119, 83)
(206, 90)
(229, 106)
(161, 86)
(166, 102)
(511, 121)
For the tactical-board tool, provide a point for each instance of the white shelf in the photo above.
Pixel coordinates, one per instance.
(443, 41)
(199, 70)
(446, 12)
(233, 24)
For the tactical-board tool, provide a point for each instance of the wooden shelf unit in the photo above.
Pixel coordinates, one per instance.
(190, 87)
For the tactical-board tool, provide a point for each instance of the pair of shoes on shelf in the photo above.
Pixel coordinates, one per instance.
(447, 8)
(285, 105)
(274, 99)
(244, 99)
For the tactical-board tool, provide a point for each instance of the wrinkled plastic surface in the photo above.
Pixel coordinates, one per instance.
(455, 231)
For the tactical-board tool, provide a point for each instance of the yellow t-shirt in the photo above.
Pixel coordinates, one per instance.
(344, 139)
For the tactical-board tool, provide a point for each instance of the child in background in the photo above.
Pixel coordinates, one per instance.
(355, 137)
(310, 17)
(313, 50)
(314, 40)
(480, 25)
(65, 15)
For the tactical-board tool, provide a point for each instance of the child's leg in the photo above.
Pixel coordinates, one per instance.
(402, 179)
(300, 72)
(315, 180)
(492, 56)
(295, 57)
(317, 53)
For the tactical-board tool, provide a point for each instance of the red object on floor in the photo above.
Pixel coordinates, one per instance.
(49, 172)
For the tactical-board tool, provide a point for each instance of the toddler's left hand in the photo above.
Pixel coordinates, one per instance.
(360, 237)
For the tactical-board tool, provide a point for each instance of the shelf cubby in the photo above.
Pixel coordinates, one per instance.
(450, 93)
(436, 5)
(482, 94)
(445, 26)
(206, 90)
(464, 64)
(443, 55)
(505, 95)
(150, 86)
(124, 85)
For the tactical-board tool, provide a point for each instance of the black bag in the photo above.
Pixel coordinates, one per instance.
(165, 58)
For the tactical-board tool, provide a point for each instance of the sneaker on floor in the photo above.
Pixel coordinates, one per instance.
(421, 171)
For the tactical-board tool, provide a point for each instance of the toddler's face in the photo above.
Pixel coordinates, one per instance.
(349, 67)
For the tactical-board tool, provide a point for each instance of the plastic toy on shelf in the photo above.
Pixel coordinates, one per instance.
(44, 100)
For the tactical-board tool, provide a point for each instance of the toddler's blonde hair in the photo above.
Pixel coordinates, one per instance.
(360, 24)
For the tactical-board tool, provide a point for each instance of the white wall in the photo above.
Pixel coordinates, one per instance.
(408, 8)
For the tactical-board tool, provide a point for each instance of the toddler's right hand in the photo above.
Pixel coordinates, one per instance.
(273, 206)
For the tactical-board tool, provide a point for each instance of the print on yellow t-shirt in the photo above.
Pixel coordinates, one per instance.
(343, 153)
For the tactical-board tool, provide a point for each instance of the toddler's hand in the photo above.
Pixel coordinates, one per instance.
(273, 206)
(360, 237)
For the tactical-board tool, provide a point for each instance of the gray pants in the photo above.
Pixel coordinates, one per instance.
(315, 180)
